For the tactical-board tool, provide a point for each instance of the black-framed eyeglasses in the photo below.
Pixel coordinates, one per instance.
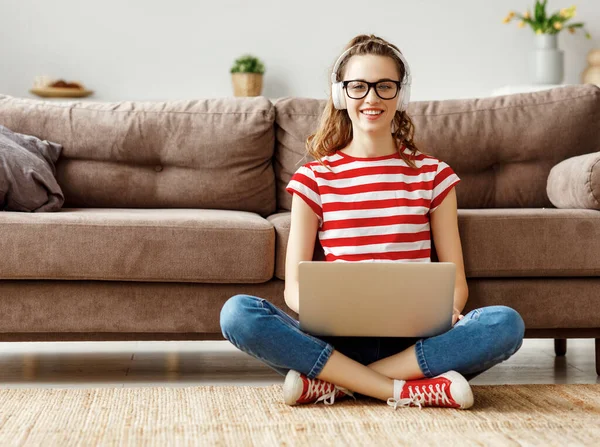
(385, 89)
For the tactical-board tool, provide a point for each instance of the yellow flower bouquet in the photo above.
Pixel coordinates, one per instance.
(542, 23)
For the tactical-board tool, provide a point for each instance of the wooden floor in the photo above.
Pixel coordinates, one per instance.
(132, 364)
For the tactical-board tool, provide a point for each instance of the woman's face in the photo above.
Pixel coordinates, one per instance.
(371, 68)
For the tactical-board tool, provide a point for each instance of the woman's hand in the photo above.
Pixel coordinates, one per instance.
(456, 316)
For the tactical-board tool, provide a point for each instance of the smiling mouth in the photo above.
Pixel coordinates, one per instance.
(368, 113)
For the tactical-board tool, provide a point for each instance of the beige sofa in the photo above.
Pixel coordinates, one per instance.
(173, 207)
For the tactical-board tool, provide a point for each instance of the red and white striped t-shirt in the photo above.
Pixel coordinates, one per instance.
(374, 209)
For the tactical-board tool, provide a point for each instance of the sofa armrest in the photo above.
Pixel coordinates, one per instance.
(575, 182)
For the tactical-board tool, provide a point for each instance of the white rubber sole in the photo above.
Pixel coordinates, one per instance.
(292, 387)
(460, 389)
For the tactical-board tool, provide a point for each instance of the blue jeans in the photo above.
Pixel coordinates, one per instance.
(480, 340)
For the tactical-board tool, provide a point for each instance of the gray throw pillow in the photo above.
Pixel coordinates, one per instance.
(575, 182)
(27, 173)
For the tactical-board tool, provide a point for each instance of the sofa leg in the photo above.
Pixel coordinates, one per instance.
(598, 356)
(560, 346)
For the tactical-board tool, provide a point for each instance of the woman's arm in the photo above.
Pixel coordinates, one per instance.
(444, 227)
(301, 246)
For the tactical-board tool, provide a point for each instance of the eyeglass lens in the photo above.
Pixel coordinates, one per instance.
(359, 89)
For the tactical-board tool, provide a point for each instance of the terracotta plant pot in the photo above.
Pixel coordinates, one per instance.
(247, 84)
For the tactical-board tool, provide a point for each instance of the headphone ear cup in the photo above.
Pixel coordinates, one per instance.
(337, 94)
(400, 103)
(405, 97)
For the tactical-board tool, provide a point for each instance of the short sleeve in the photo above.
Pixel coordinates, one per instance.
(304, 183)
(445, 179)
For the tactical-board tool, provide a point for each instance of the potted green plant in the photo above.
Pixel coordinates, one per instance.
(548, 59)
(247, 75)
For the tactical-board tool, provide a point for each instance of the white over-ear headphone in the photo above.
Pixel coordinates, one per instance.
(337, 87)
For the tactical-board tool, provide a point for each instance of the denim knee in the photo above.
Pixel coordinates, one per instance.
(509, 326)
(235, 316)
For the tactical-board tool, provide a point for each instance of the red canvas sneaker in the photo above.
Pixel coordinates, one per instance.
(299, 389)
(446, 390)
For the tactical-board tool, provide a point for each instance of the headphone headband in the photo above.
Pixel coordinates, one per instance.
(339, 99)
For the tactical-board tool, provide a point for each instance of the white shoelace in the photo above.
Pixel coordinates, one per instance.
(419, 395)
(325, 397)
(317, 387)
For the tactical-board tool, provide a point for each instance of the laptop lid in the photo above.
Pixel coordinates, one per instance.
(378, 299)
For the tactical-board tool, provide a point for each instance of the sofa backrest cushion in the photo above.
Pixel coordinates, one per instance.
(501, 147)
(211, 153)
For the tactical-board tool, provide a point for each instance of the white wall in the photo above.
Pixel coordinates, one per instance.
(176, 49)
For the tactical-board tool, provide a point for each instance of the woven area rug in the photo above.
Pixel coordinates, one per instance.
(241, 415)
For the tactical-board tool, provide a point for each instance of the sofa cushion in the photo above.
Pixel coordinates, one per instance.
(210, 153)
(508, 242)
(575, 182)
(502, 147)
(118, 310)
(205, 246)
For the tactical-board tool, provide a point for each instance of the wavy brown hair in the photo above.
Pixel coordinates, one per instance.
(335, 127)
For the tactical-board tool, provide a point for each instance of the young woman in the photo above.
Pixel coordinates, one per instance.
(371, 195)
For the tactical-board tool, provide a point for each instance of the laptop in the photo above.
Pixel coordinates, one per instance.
(376, 299)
